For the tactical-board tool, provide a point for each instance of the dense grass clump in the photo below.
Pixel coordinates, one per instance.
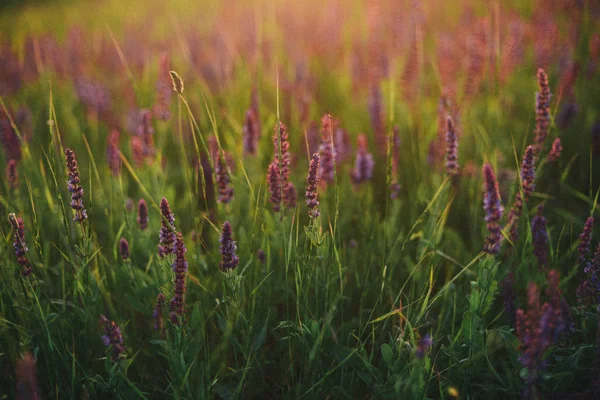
(300, 200)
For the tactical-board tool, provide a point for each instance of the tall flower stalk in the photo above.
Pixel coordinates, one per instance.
(19, 243)
(326, 149)
(451, 149)
(112, 337)
(223, 181)
(229, 260)
(142, 215)
(363, 166)
(180, 267)
(542, 106)
(166, 235)
(274, 185)
(494, 210)
(312, 184)
(585, 239)
(527, 186)
(282, 148)
(75, 188)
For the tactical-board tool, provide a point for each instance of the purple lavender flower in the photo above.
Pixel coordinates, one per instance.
(423, 345)
(223, 181)
(262, 257)
(274, 183)
(556, 151)
(167, 235)
(588, 292)
(19, 243)
(12, 175)
(451, 150)
(124, 248)
(113, 337)
(180, 267)
(142, 217)
(528, 172)
(540, 237)
(326, 149)
(542, 105)
(75, 187)
(164, 89)
(585, 240)
(229, 259)
(363, 166)
(159, 322)
(113, 154)
(289, 191)
(312, 183)
(493, 210)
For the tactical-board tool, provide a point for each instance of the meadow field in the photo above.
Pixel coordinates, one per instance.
(300, 199)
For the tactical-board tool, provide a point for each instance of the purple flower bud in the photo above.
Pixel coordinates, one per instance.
(229, 259)
(588, 293)
(19, 243)
(74, 187)
(262, 257)
(585, 240)
(113, 337)
(556, 151)
(142, 217)
(124, 248)
(326, 149)
(423, 345)
(274, 184)
(223, 181)
(451, 150)
(180, 267)
(493, 210)
(289, 191)
(312, 184)
(542, 118)
(166, 235)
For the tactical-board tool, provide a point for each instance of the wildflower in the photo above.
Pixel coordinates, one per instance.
(363, 166)
(113, 154)
(251, 133)
(326, 149)
(163, 89)
(180, 266)
(312, 183)
(262, 257)
(556, 150)
(229, 259)
(176, 81)
(542, 105)
(12, 175)
(585, 238)
(167, 235)
(222, 173)
(75, 187)
(113, 337)
(588, 292)
(493, 210)
(124, 248)
(451, 150)
(274, 182)
(528, 172)
(559, 321)
(19, 243)
(283, 149)
(27, 386)
(423, 345)
(142, 217)
(540, 237)
(159, 322)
